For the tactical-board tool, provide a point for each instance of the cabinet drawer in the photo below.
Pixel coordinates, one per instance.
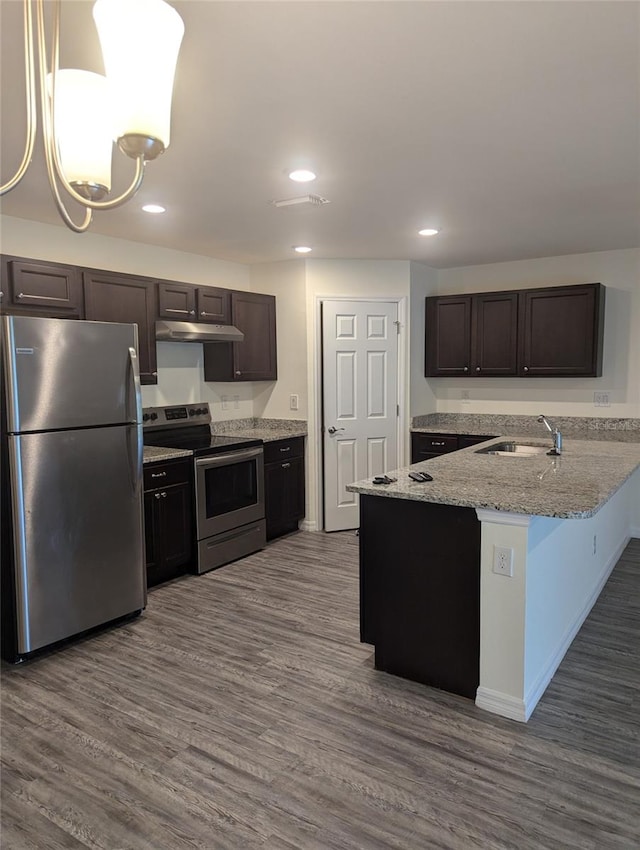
(280, 450)
(439, 443)
(166, 473)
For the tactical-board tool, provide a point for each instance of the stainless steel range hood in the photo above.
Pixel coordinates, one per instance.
(196, 332)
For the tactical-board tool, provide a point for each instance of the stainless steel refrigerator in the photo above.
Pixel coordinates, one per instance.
(72, 521)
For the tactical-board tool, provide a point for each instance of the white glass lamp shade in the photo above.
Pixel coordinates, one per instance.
(83, 127)
(140, 41)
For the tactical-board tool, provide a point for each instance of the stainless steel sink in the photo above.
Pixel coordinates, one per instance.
(513, 449)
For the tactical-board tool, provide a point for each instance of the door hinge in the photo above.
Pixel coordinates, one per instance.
(397, 410)
(397, 324)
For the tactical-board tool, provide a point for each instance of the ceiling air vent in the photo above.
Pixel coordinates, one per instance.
(303, 201)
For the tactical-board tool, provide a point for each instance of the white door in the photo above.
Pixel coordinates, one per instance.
(360, 401)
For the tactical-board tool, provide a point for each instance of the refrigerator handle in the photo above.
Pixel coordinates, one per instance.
(134, 415)
(134, 442)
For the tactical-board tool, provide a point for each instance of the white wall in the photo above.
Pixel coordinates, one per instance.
(619, 271)
(423, 281)
(180, 372)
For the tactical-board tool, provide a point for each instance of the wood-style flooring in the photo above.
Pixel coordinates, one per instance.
(240, 711)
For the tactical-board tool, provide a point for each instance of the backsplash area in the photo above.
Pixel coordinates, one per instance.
(489, 423)
(181, 381)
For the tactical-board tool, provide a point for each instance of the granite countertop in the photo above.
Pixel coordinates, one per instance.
(571, 427)
(156, 453)
(267, 430)
(573, 486)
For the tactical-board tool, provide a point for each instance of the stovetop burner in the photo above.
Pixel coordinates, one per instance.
(188, 427)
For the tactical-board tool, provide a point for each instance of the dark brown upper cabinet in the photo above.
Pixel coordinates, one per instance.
(554, 332)
(114, 297)
(188, 303)
(561, 331)
(471, 335)
(41, 288)
(254, 359)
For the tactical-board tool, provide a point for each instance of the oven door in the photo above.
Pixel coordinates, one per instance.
(229, 491)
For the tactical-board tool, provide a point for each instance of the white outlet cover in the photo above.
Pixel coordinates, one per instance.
(503, 560)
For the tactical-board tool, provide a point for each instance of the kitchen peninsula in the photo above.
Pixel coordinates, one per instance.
(432, 601)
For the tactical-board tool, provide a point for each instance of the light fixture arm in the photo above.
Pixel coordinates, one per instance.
(141, 144)
(52, 155)
(30, 86)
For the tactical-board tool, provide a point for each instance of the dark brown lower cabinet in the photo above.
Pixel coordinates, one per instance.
(420, 591)
(284, 485)
(425, 446)
(168, 519)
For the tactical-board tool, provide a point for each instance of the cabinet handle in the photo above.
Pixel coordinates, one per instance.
(286, 465)
(436, 443)
(477, 368)
(192, 312)
(157, 495)
(175, 310)
(466, 369)
(204, 313)
(22, 295)
(158, 474)
(1, 294)
(287, 449)
(238, 373)
(163, 494)
(526, 368)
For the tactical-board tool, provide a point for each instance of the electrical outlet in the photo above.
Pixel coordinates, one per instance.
(293, 401)
(236, 402)
(503, 560)
(464, 395)
(225, 402)
(601, 399)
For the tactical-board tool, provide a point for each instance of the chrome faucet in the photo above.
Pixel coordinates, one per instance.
(555, 433)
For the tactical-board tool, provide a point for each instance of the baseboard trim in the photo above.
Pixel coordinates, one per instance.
(308, 525)
(502, 704)
(634, 531)
(540, 685)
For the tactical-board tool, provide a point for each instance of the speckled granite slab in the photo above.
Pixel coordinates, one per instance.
(267, 430)
(574, 486)
(572, 427)
(155, 453)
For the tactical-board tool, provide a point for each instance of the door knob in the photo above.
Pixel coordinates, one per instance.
(333, 430)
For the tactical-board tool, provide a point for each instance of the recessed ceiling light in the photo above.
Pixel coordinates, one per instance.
(154, 208)
(302, 249)
(428, 231)
(302, 175)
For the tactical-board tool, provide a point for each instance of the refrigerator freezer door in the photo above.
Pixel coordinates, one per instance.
(62, 374)
(77, 531)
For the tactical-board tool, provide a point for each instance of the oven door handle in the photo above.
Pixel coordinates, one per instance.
(225, 458)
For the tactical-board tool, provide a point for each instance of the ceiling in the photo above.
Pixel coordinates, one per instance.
(511, 126)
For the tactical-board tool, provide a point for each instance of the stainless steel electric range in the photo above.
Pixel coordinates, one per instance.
(229, 481)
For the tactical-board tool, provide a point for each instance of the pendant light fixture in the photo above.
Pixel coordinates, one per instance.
(83, 113)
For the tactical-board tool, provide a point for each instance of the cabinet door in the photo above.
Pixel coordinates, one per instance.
(113, 297)
(448, 336)
(284, 496)
(562, 331)
(214, 305)
(494, 343)
(253, 359)
(175, 513)
(52, 289)
(176, 301)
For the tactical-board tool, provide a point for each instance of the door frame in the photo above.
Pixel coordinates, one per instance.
(403, 390)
